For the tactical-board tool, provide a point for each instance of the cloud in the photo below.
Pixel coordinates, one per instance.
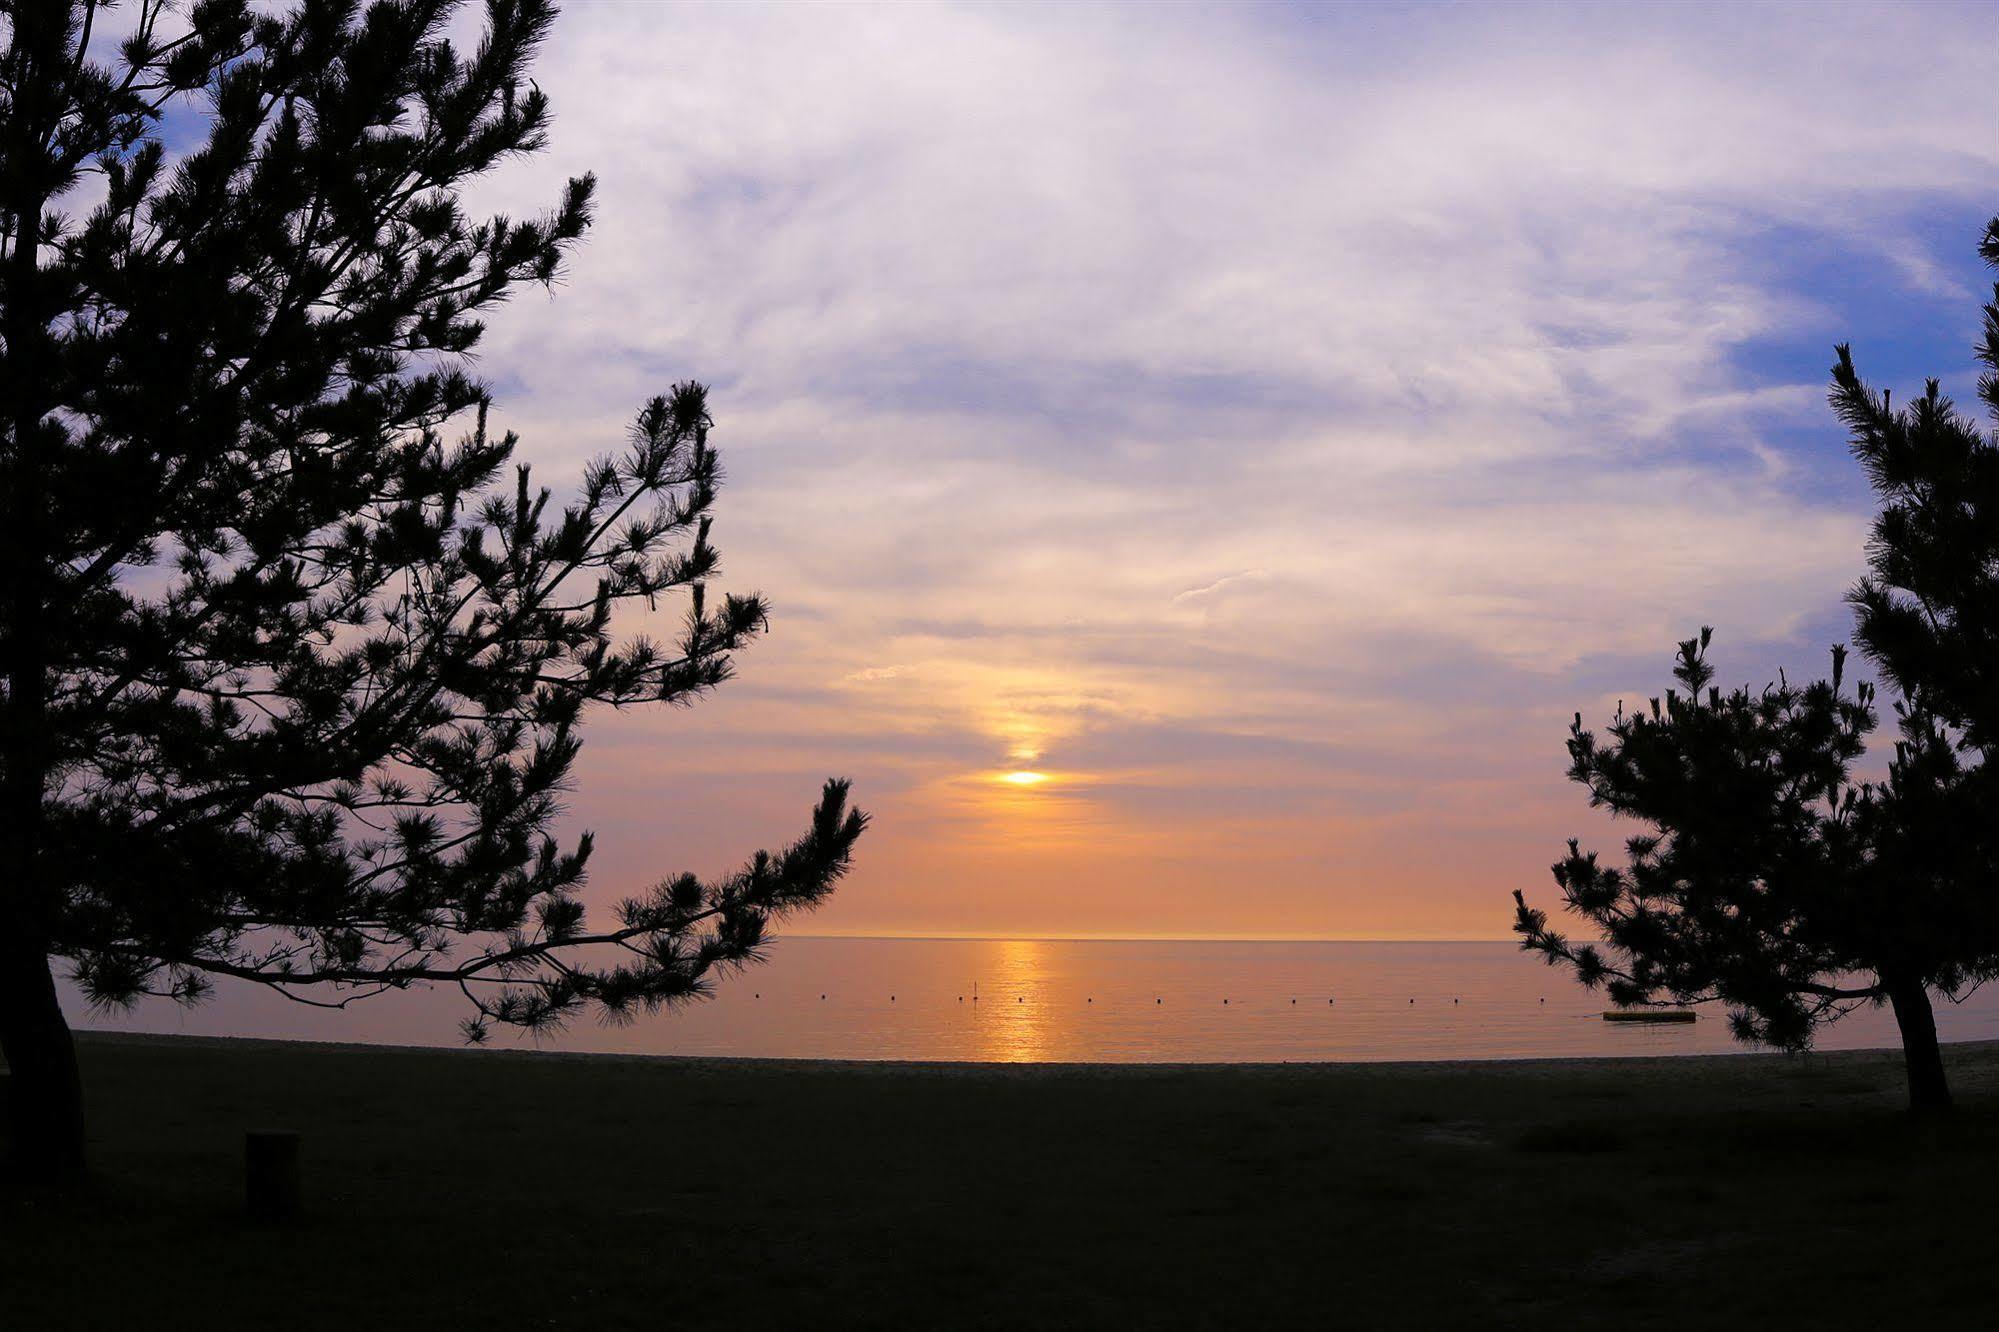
(1483, 345)
(870, 674)
(1207, 590)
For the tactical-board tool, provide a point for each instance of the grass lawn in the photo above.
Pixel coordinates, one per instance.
(509, 1190)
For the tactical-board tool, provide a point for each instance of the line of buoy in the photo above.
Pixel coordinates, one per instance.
(1089, 1000)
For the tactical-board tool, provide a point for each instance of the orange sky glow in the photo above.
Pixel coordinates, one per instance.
(1200, 459)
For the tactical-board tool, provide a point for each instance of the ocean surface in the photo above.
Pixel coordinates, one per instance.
(1080, 1001)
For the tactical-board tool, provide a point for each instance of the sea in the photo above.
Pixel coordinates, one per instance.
(1075, 1001)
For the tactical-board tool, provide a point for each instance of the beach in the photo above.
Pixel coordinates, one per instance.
(526, 1189)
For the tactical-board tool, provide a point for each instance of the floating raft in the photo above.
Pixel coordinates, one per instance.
(1650, 1015)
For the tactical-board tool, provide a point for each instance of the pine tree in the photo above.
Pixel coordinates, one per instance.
(292, 670)
(1742, 886)
(1768, 879)
(1927, 616)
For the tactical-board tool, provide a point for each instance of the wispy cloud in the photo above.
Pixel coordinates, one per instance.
(871, 674)
(1208, 590)
(1451, 365)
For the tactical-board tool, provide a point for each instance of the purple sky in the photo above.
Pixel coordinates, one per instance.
(1269, 424)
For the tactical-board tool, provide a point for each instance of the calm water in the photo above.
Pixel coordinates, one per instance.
(1086, 1001)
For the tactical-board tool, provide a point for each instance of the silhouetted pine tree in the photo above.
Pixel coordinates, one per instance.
(291, 679)
(1927, 615)
(1743, 885)
(1769, 880)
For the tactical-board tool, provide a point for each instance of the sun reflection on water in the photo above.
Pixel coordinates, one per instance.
(1013, 1021)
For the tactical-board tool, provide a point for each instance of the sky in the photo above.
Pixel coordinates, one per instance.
(1266, 424)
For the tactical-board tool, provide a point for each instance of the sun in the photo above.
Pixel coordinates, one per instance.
(1024, 778)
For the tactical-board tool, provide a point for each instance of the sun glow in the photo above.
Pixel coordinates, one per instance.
(1024, 778)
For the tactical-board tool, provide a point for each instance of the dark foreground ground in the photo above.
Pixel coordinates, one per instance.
(500, 1191)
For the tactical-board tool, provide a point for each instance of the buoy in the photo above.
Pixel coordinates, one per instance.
(1158, 1001)
(1224, 1001)
(1329, 1001)
(822, 996)
(1294, 1001)
(1453, 1001)
(1021, 1000)
(891, 998)
(758, 995)
(1089, 1001)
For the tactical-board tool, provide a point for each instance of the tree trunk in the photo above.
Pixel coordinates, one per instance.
(44, 1093)
(1929, 1094)
(45, 1098)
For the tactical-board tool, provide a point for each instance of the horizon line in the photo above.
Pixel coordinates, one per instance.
(1143, 938)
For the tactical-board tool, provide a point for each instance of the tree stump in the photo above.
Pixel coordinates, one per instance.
(271, 1175)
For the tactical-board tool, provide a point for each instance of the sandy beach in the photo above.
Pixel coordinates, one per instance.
(518, 1189)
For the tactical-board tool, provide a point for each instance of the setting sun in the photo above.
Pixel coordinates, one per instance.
(1024, 778)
